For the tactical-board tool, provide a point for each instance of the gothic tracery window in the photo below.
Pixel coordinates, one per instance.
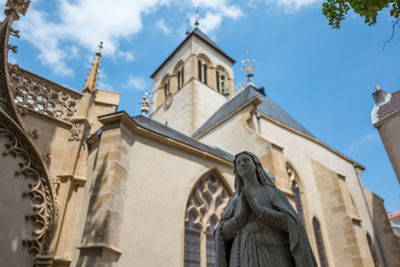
(320, 243)
(295, 190)
(204, 209)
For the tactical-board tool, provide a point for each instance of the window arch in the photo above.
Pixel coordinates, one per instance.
(372, 250)
(221, 80)
(165, 84)
(179, 71)
(203, 64)
(293, 179)
(320, 243)
(206, 203)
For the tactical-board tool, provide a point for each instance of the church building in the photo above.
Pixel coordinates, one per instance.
(77, 188)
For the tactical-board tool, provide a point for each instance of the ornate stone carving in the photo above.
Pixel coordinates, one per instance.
(46, 159)
(39, 188)
(76, 132)
(34, 134)
(17, 6)
(43, 98)
(207, 202)
(5, 97)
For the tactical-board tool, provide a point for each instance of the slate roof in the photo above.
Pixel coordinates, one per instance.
(390, 107)
(267, 107)
(166, 131)
(202, 36)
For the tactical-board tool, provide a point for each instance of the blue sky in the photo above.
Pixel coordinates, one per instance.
(323, 77)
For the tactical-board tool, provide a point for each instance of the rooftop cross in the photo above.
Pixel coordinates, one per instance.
(248, 67)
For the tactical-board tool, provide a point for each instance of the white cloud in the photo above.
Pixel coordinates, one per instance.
(161, 25)
(135, 82)
(75, 25)
(294, 5)
(210, 22)
(105, 86)
(372, 137)
(217, 10)
(84, 23)
(127, 56)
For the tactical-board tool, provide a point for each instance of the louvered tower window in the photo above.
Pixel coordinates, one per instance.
(320, 243)
(180, 77)
(204, 209)
(202, 69)
(372, 249)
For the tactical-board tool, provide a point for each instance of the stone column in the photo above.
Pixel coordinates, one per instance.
(102, 231)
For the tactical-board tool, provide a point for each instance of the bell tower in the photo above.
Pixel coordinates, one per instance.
(192, 83)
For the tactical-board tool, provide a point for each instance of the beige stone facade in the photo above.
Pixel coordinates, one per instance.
(101, 188)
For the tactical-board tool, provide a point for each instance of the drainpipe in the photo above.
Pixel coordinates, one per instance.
(376, 235)
(258, 116)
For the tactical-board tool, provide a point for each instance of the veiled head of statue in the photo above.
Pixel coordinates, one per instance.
(242, 166)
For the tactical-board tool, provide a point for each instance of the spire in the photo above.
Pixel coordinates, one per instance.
(91, 81)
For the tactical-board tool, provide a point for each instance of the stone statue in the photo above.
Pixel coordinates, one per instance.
(259, 227)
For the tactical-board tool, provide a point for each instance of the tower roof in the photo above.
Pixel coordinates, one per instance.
(386, 108)
(197, 32)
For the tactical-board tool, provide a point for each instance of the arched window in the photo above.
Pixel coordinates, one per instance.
(320, 243)
(180, 74)
(166, 87)
(372, 249)
(204, 209)
(295, 190)
(221, 81)
(203, 68)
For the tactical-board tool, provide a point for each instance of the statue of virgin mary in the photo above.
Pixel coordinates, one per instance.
(259, 227)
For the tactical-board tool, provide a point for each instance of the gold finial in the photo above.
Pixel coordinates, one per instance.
(16, 7)
(146, 102)
(91, 81)
(196, 17)
(377, 88)
(248, 67)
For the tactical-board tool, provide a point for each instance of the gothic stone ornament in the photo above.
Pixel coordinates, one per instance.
(17, 145)
(39, 191)
(16, 7)
(259, 226)
(32, 93)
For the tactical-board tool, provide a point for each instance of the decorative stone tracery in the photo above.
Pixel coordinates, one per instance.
(38, 188)
(204, 209)
(42, 97)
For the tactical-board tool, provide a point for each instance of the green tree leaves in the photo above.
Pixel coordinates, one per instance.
(335, 10)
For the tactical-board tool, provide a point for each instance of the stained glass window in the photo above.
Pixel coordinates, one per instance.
(320, 243)
(204, 209)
